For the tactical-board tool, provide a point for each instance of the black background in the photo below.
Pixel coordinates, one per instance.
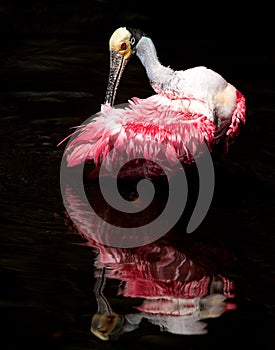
(53, 72)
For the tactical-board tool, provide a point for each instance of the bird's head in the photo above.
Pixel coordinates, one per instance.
(122, 46)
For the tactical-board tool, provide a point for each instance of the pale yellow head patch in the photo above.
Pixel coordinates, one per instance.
(120, 42)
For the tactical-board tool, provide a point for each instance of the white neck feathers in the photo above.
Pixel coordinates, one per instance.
(147, 54)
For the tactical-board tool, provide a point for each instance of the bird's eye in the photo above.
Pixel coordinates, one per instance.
(132, 41)
(123, 46)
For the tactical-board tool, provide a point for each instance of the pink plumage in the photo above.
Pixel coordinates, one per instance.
(145, 124)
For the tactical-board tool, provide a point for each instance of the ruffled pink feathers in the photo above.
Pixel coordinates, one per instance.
(151, 128)
(238, 118)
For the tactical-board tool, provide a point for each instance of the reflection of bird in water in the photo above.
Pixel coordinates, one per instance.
(174, 292)
(175, 282)
(190, 108)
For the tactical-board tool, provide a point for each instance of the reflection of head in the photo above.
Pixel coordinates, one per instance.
(112, 326)
(103, 325)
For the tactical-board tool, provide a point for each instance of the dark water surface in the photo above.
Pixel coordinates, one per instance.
(54, 67)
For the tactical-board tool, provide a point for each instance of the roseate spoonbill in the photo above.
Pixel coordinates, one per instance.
(191, 108)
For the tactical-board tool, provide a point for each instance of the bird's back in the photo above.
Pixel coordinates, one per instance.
(199, 82)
